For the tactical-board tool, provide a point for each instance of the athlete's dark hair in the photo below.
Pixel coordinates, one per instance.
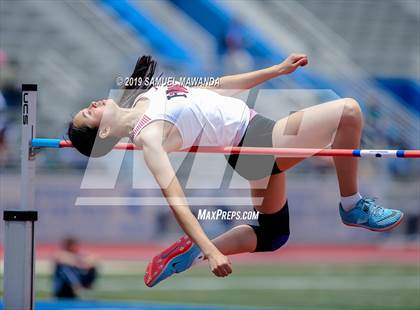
(87, 142)
(85, 138)
(144, 70)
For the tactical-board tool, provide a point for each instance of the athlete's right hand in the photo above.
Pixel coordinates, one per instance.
(219, 264)
(291, 63)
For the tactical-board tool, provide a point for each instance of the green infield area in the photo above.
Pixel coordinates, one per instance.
(278, 286)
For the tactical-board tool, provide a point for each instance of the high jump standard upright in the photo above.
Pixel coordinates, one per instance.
(19, 223)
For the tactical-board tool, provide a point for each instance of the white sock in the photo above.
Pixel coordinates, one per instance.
(349, 202)
(198, 259)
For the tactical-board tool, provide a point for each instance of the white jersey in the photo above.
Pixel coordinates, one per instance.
(203, 117)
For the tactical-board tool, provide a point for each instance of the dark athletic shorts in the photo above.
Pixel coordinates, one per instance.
(257, 134)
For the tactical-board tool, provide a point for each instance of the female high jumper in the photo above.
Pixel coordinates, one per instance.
(166, 119)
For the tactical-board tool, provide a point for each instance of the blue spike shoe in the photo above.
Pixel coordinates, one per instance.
(369, 215)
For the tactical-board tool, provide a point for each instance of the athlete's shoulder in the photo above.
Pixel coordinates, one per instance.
(149, 134)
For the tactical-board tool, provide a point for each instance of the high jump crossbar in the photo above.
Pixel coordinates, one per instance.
(286, 152)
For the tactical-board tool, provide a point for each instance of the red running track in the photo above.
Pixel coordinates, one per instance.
(288, 254)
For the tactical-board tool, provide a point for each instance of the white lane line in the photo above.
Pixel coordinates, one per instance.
(266, 283)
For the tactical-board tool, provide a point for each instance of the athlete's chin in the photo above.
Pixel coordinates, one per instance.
(108, 102)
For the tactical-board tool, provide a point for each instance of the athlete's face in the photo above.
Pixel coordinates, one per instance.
(91, 116)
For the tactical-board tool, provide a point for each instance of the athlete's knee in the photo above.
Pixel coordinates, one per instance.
(352, 113)
(273, 230)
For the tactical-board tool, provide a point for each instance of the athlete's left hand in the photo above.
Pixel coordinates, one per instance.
(219, 264)
(291, 63)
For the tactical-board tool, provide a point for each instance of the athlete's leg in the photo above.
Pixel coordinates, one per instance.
(348, 136)
(339, 124)
(242, 239)
(336, 123)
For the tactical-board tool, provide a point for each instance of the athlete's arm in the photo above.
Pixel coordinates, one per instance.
(233, 84)
(157, 161)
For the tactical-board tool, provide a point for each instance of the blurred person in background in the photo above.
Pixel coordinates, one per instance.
(402, 170)
(9, 81)
(10, 105)
(375, 118)
(3, 144)
(73, 270)
(235, 57)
